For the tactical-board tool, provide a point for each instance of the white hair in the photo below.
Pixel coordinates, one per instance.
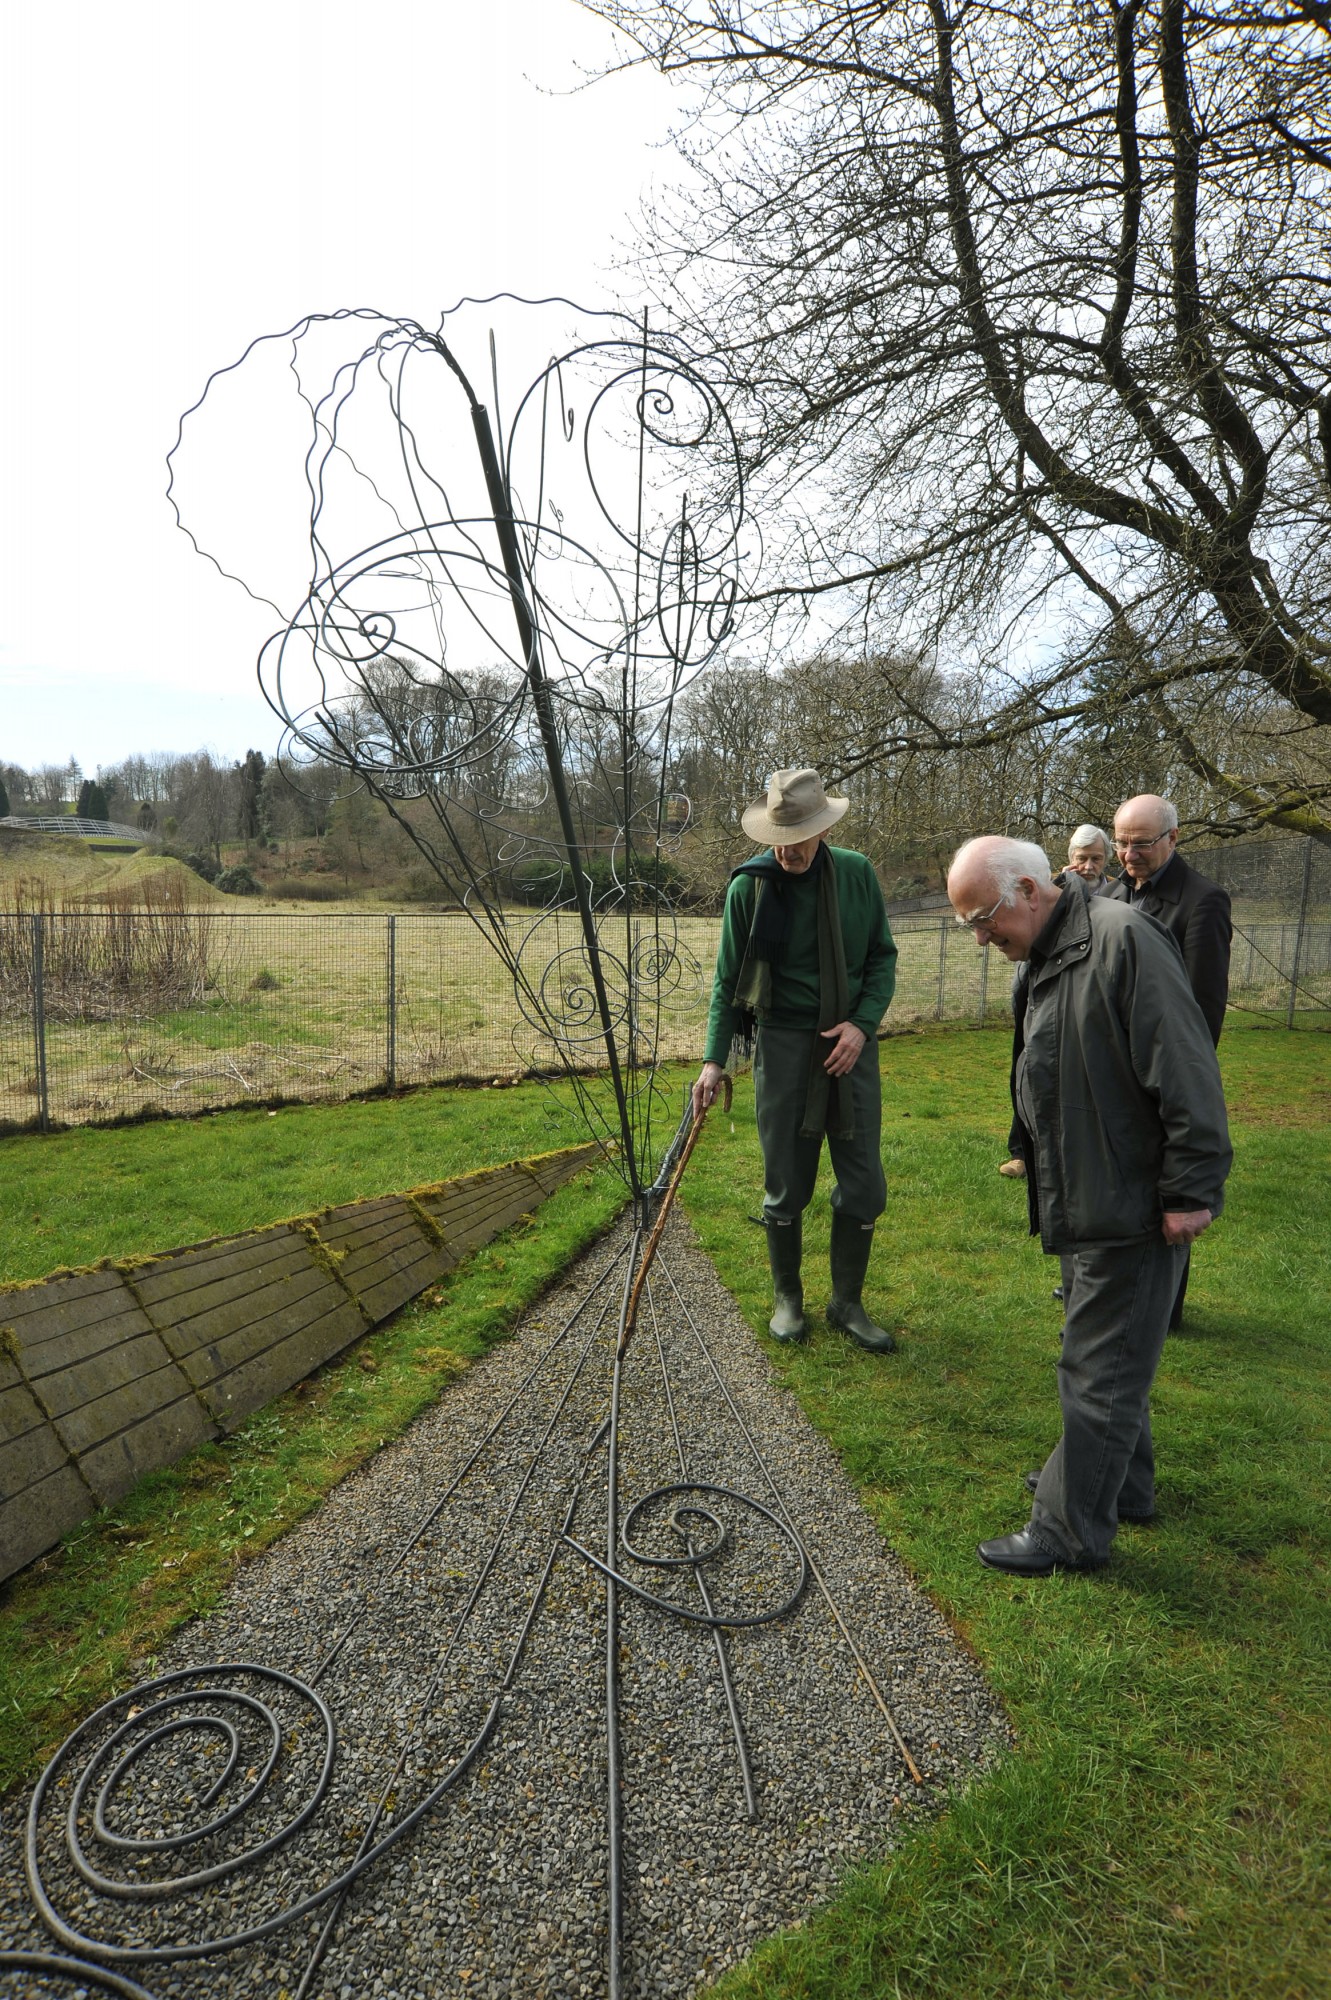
(1006, 861)
(1087, 835)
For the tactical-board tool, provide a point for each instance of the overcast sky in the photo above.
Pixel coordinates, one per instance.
(176, 179)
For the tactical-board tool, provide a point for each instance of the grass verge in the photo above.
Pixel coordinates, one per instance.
(1162, 1828)
(74, 1197)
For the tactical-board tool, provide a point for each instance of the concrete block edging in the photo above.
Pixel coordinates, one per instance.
(112, 1372)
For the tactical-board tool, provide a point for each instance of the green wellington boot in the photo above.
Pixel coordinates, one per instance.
(851, 1244)
(785, 1242)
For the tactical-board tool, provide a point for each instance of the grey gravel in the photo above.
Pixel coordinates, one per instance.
(501, 1889)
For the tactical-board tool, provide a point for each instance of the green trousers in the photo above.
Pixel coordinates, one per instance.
(790, 1163)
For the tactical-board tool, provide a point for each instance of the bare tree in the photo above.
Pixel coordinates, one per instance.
(1032, 306)
(204, 798)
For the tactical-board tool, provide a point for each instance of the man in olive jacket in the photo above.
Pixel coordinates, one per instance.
(807, 955)
(1127, 1148)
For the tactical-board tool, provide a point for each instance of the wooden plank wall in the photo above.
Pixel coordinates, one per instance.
(108, 1374)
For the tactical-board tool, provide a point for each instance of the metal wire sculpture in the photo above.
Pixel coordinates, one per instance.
(501, 671)
(500, 664)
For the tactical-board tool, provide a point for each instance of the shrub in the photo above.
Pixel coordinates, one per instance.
(265, 982)
(238, 881)
(287, 890)
(202, 864)
(135, 950)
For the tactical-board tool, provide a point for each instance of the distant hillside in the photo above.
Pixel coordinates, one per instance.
(68, 868)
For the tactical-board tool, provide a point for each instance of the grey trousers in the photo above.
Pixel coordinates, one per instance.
(790, 1163)
(1116, 1302)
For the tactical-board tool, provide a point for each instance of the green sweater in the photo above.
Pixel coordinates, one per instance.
(871, 955)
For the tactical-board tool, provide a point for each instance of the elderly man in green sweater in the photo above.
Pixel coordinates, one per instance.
(807, 956)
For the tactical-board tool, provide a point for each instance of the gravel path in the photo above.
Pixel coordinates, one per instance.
(501, 1887)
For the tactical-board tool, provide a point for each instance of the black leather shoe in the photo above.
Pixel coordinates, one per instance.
(1032, 1480)
(1022, 1555)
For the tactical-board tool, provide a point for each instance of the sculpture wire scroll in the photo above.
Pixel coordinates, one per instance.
(500, 668)
(500, 664)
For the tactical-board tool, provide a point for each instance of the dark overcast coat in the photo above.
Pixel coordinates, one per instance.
(1122, 1079)
(1196, 914)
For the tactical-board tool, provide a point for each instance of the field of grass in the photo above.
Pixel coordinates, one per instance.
(1162, 1827)
(296, 1003)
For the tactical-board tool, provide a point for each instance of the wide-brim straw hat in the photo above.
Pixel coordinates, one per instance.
(795, 809)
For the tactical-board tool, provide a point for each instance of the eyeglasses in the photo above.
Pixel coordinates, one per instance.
(980, 923)
(1127, 846)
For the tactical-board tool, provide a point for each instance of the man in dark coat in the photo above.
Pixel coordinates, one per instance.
(1192, 909)
(1119, 1096)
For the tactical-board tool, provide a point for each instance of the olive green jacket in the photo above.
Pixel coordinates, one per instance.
(871, 952)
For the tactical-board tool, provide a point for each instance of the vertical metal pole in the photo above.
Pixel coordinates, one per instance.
(39, 1020)
(984, 983)
(391, 1064)
(1303, 925)
(501, 507)
(943, 929)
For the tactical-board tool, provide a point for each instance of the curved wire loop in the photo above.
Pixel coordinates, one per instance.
(496, 624)
(690, 1510)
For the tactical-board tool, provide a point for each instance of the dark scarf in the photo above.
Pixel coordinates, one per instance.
(824, 1109)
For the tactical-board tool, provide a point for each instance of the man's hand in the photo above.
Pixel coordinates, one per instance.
(847, 1040)
(707, 1088)
(1184, 1225)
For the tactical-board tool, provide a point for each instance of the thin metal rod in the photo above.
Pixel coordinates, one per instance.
(780, 1500)
(718, 1636)
(391, 1057)
(39, 1019)
(1299, 935)
(614, 1797)
(487, 1568)
(436, 1509)
(501, 507)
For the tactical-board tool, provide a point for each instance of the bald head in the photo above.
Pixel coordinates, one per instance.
(1145, 835)
(1003, 889)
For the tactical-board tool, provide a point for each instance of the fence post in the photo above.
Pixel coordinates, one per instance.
(984, 982)
(943, 929)
(1298, 935)
(39, 1020)
(391, 1064)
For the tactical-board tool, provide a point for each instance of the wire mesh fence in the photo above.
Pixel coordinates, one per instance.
(108, 1014)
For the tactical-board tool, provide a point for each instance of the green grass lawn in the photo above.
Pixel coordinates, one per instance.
(1162, 1827)
(73, 1197)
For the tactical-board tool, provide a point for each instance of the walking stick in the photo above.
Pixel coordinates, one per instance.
(662, 1214)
